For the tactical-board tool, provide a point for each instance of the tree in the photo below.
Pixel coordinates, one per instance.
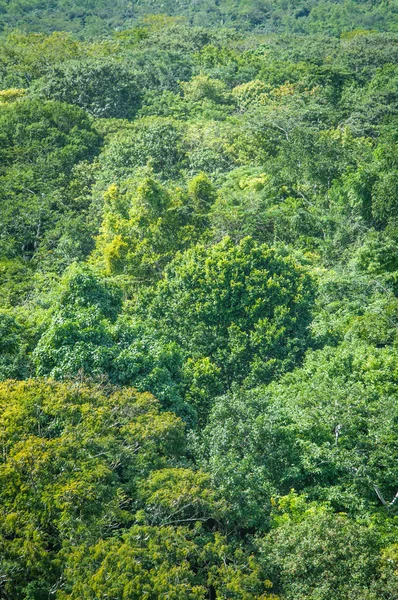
(40, 142)
(72, 459)
(13, 362)
(156, 562)
(308, 547)
(327, 429)
(244, 307)
(145, 223)
(87, 335)
(154, 140)
(104, 88)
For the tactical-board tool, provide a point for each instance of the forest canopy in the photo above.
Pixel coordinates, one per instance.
(199, 300)
(91, 18)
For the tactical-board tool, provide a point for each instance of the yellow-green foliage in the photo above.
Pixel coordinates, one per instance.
(203, 87)
(72, 455)
(77, 462)
(145, 224)
(247, 94)
(174, 496)
(11, 95)
(115, 254)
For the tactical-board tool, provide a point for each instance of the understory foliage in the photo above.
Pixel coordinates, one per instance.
(199, 300)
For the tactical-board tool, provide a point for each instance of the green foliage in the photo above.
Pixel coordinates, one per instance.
(85, 335)
(13, 363)
(206, 212)
(243, 307)
(208, 97)
(40, 142)
(329, 428)
(72, 458)
(145, 562)
(305, 553)
(304, 17)
(145, 224)
(177, 496)
(79, 338)
(247, 303)
(154, 140)
(25, 57)
(158, 562)
(355, 304)
(203, 87)
(105, 88)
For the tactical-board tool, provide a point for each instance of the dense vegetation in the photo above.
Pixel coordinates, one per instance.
(199, 301)
(92, 17)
